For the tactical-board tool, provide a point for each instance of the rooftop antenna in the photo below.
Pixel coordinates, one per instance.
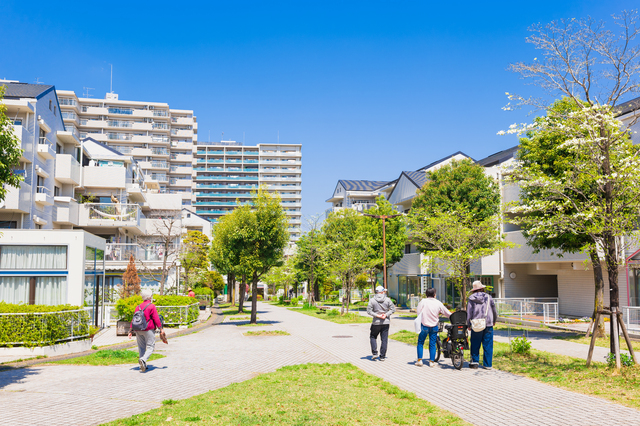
(111, 82)
(86, 91)
(37, 81)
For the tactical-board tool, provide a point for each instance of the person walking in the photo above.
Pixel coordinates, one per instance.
(481, 307)
(146, 338)
(380, 307)
(191, 293)
(429, 310)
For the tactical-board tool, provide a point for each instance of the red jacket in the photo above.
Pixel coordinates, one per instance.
(150, 314)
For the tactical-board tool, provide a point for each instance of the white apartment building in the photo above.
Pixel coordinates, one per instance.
(159, 138)
(226, 173)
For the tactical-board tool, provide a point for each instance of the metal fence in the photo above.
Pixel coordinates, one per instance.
(631, 317)
(179, 315)
(534, 309)
(44, 328)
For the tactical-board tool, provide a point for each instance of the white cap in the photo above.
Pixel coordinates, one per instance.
(380, 289)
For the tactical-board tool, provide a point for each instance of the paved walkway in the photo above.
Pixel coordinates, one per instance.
(220, 355)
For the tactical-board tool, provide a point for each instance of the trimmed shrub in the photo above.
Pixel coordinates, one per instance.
(41, 325)
(520, 345)
(172, 316)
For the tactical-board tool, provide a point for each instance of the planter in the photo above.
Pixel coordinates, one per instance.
(122, 328)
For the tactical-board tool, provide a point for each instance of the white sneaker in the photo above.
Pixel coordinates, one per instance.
(143, 365)
(419, 363)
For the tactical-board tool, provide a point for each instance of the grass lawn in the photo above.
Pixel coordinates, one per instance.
(562, 371)
(267, 333)
(258, 324)
(310, 394)
(234, 311)
(107, 357)
(350, 318)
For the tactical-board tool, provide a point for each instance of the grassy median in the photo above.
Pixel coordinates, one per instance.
(333, 315)
(310, 394)
(107, 357)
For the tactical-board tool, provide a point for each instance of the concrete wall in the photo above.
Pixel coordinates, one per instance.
(527, 285)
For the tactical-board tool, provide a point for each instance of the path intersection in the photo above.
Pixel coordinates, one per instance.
(220, 355)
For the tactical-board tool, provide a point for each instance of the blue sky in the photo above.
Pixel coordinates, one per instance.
(368, 88)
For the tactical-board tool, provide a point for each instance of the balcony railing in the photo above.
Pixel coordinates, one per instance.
(123, 149)
(160, 139)
(119, 136)
(229, 186)
(69, 115)
(200, 177)
(65, 101)
(160, 151)
(160, 164)
(117, 123)
(44, 141)
(115, 252)
(115, 212)
(127, 111)
(160, 113)
(160, 126)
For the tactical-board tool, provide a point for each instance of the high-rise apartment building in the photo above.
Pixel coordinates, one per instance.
(161, 139)
(226, 173)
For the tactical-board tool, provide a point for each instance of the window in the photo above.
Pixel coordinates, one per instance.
(56, 191)
(8, 224)
(34, 290)
(33, 257)
(58, 149)
(407, 249)
(55, 110)
(49, 104)
(17, 122)
(40, 181)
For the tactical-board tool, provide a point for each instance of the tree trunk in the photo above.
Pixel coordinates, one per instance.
(598, 329)
(234, 284)
(254, 298)
(241, 293)
(229, 288)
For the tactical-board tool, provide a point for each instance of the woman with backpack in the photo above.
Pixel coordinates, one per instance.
(145, 321)
(481, 316)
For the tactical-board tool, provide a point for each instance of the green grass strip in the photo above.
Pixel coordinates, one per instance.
(267, 333)
(310, 394)
(107, 357)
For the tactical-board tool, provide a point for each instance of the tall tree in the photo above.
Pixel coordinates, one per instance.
(596, 68)
(130, 280)
(395, 237)
(10, 150)
(348, 249)
(219, 254)
(546, 152)
(310, 259)
(454, 219)
(194, 255)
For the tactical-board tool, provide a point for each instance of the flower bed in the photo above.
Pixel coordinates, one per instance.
(42, 325)
(574, 320)
(176, 310)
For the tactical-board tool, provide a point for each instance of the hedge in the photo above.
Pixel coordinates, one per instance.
(170, 307)
(41, 325)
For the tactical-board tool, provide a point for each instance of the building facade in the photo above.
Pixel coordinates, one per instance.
(227, 172)
(159, 138)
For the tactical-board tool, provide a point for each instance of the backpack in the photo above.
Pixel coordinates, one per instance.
(139, 322)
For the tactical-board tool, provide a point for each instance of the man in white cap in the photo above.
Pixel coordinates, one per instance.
(481, 316)
(380, 308)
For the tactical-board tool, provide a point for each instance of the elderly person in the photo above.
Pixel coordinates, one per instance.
(380, 308)
(480, 306)
(429, 310)
(146, 338)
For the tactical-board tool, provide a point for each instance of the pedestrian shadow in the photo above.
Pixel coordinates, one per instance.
(246, 322)
(368, 357)
(11, 375)
(150, 367)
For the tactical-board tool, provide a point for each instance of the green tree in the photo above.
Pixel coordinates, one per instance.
(395, 237)
(10, 151)
(194, 255)
(546, 152)
(210, 279)
(348, 249)
(454, 219)
(310, 259)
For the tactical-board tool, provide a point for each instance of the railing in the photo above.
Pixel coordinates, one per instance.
(631, 317)
(73, 129)
(68, 115)
(159, 178)
(205, 211)
(115, 252)
(44, 141)
(160, 139)
(43, 190)
(119, 136)
(44, 328)
(160, 151)
(160, 164)
(179, 315)
(115, 212)
(123, 149)
(117, 123)
(230, 186)
(65, 101)
(545, 307)
(160, 113)
(160, 126)
(201, 177)
(127, 111)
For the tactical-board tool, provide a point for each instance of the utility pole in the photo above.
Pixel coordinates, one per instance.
(384, 241)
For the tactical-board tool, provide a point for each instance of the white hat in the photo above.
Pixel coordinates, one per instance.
(380, 289)
(477, 285)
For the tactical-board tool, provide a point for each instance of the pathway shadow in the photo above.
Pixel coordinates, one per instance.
(11, 375)
(245, 322)
(150, 367)
(368, 357)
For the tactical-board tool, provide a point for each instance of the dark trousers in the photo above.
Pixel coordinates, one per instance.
(484, 338)
(383, 331)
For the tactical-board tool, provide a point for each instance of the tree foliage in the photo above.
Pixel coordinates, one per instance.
(194, 257)
(310, 259)
(454, 220)
(10, 151)
(130, 280)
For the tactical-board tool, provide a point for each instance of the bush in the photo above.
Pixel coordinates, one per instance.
(173, 316)
(625, 360)
(520, 345)
(294, 301)
(333, 312)
(259, 297)
(203, 291)
(54, 325)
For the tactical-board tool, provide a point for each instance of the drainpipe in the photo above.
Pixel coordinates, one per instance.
(501, 253)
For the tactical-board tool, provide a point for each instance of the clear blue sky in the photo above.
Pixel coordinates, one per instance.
(369, 88)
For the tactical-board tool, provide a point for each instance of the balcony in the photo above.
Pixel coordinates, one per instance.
(200, 177)
(45, 148)
(187, 158)
(66, 211)
(43, 196)
(122, 252)
(119, 111)
(69, 135)
(524, 253)
(181, 145)
(94, 110)
(182, 133)
(136, 152)
(17, 200)
(138, 125)
(104, 177)
(26, 144)
(67, 169)
(160, 152)
(185, 170)
(228, 186)
(180, 182)
(182, 120)
(105, 215)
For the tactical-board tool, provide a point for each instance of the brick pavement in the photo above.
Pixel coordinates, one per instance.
(220, 355)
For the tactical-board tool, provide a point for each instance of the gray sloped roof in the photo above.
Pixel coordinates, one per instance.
(26, 90)
(428, 166)
(418, 177)
(627, 107)
(362, 185)
(499, 157)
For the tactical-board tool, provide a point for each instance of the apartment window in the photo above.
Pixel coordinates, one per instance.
(8, 224)
(50, 104)
(33, 257)
(17, 121)
(407, 248)
(43, 133)
(55, 110)
(56, 191)
(58, 149)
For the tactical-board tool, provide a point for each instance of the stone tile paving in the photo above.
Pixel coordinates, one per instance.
(220, 355)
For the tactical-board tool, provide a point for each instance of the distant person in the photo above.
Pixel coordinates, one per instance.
(481, 306)
(146, 338)
(429, 309)
(290, 293)
(191, 292)
(380, 308)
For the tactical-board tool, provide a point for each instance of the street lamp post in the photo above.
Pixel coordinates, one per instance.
(384, 218)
